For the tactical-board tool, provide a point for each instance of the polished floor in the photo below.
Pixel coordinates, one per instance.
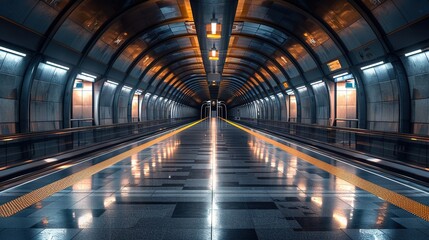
(215, 181)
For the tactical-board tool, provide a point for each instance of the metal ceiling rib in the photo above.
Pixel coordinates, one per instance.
(224, 11)
(152, 44)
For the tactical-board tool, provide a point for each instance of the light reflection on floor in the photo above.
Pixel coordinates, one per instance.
(214, 181)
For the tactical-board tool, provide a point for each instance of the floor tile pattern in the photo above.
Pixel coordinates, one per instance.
(214, 181)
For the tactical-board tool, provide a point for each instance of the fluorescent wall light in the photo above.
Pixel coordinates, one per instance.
(272, 97)
(112, 82)
(88, 75)
(340, 75)
(280, 94)
(413, 52)
(290, 92)
(127, 88)
(372, 65)
(315, 83)
(85, 77)
(302, 88)
(12, 51)
(138, 92)
(57, 65)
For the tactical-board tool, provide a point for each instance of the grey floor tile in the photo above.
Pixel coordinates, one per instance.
(57, 234)
(188, 234)
(231, 219)
(120, 234)
(366, 234)
(286, 234)
(261, 191)
(274, 223)
(19, 233)
(18, 222)
(399, 234)
(413, 222)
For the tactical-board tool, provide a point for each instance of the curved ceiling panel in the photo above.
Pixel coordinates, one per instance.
(264, 47)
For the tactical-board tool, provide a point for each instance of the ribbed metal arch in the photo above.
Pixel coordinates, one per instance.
(233, 86)
(303, 43)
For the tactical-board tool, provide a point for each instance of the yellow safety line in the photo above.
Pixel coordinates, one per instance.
(392, 197)
(10, 208)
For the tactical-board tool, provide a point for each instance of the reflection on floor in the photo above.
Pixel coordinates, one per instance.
(214, 181)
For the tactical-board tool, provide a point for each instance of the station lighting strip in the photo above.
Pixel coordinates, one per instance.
(57, 65)
(413, 52)
(12, 51)
(127, 88)
(340, 75)
(290, 92)
(372, 65)
(86, 77)
(315, 83)
(112, 82)
(302, 88)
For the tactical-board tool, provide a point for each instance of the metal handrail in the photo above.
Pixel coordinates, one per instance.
(17, 136)
(351, 130)
(20, 148)
(406, 149)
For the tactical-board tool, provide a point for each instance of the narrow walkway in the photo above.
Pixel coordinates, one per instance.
(215, 181)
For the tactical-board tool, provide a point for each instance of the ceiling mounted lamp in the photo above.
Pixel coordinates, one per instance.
(214, 53)
(214, 28)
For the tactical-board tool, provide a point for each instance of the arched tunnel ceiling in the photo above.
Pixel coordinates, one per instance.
(267, 46)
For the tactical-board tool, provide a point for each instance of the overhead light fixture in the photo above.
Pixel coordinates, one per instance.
(315, 83)
(413, 52)
(213, 29)
(213, 53)
(12, 51)
(138, 92)
(280, 94)
(334, 65)
(213, 25)
(112, 82)
(57, 65)
(290, 92)
(285, 85)
(86, 77)
(372, 65)
(340, 75)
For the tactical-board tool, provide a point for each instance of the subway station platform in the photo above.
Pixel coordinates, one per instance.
(214, 180)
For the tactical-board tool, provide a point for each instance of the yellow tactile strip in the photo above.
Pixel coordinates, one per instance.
(10, 208)
(392, 197)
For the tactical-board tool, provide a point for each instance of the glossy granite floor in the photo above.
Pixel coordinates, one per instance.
(214, 181)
